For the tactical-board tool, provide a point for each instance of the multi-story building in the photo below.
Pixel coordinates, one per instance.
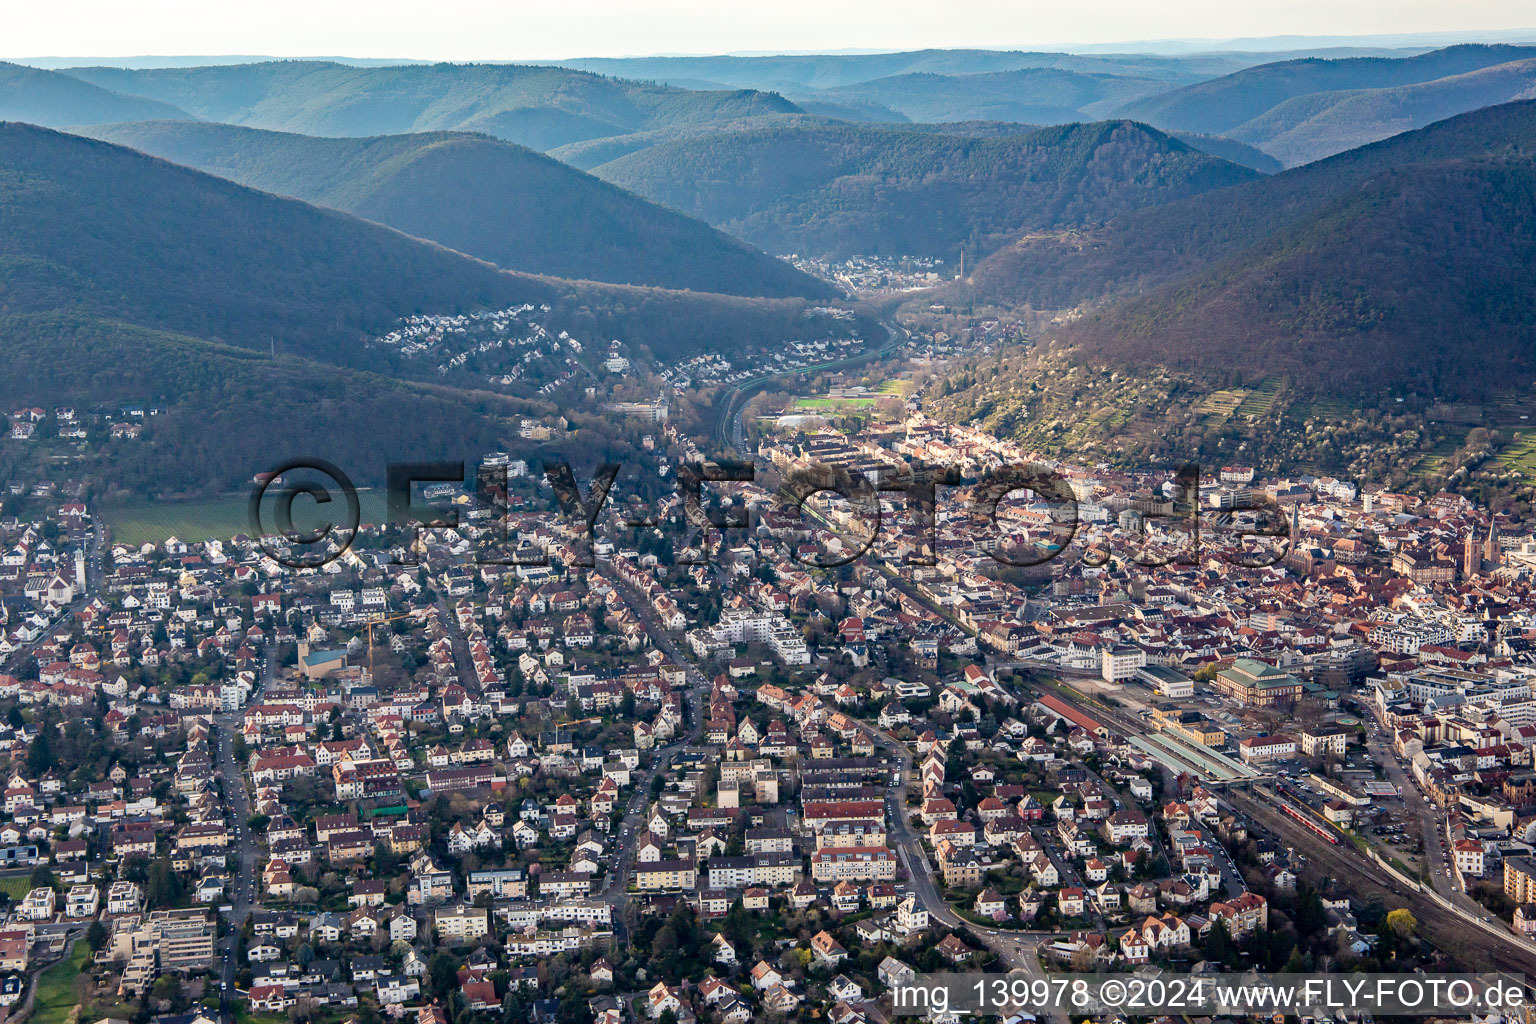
(1520, 879)
(853, 864)
(123, 897)
(1468, 855)
(1322, 742)
(1257, 684)
(1266, 748)
(765, 869)
(459, 923)
(1120, 662)
(506, 883)
(666, 874)
(81, 901)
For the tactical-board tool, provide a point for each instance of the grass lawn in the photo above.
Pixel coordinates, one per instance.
(16, 888)
(55, 987)
(243, 1015)
(1219, 406)
(821, 404)
(1259, 402)
(153, 521)
(1520, 453)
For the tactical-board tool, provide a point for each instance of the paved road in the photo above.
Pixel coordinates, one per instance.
(463, 664)
(94, 574)
(659, 759)
(729, 428)
(1444, 880)
(242, 896)
(653, 762)
(1019, 950)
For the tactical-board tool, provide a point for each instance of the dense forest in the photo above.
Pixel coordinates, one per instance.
(823, 188)
(1151, 247)
(126, 278)
(1417, 279)
(498, 201)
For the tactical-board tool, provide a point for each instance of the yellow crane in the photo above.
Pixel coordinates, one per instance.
(379, 622)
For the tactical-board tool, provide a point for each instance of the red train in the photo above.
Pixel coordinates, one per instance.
(1322, 831)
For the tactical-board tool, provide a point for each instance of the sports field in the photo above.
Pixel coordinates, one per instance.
(221, 518)
(830, 404)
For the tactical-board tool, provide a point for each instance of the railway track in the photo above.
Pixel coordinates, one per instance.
(1479, 945)
(1481, 948)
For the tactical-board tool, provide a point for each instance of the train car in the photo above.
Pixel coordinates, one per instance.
(1320, 830)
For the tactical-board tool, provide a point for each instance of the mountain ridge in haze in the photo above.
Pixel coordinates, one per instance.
(827, 188)
(1270, 105)
(492, 199)
(537, 106)
(121, 273)
(56, 100)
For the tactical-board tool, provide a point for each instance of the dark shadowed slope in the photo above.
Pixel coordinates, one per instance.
(1230, 149)
(828, 188)
(1417, 278)
(121, 271)
(55, 100)
(492, 199)
(1401, 264)
(1152, 246)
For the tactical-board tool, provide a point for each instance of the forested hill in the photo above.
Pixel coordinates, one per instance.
(1303, 110)
(1400, 265)
(827, 188)
(537, 106)
(55, 100)
(1220, 105)
(1417, 278)
(1148, 247)
(501, 202)
(123, 276)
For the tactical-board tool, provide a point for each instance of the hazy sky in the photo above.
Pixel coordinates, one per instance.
(551, 29)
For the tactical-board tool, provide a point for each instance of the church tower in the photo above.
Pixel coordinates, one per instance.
(1471, 555)
(1491, 550)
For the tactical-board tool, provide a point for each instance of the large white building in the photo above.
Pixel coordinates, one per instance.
(1121, 661)
(740, 626)
(1265, 748)
(853, 864)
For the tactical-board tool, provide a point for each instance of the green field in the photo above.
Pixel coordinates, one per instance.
(1261, 400)
(1219, 406)
(1520, 454)
(55, 987)
(1434, 461)
(16, 888)
(823, 404)
(221, 518)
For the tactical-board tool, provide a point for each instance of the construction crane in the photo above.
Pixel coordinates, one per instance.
(379, 622)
